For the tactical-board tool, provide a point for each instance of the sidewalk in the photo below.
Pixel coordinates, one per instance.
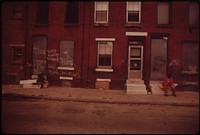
(185, 98)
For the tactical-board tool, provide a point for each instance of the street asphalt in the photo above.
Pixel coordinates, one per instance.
(183, 98)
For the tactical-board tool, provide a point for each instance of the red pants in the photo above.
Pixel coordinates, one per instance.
(167, 88)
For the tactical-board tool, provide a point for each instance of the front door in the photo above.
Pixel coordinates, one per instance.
(135, 62)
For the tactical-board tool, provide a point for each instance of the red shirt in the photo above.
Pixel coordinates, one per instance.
(167, 81)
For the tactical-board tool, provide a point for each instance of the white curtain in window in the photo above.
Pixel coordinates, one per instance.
(101, 6)
(133, 6)
(105, 49)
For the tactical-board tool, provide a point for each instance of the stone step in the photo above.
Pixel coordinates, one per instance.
(136, 89)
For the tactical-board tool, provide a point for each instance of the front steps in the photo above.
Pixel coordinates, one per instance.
(135, 87)
(138, 87)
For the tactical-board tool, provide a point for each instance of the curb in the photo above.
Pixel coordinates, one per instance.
(22, 96)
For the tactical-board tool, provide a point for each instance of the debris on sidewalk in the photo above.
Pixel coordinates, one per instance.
(36, 81)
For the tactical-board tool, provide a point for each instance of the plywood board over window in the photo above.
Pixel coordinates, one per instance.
(39, 54)
(66, 53)
(191, 57)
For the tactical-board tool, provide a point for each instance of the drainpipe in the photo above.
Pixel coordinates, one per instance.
(83, 32)
(26, 40)
(88, 70)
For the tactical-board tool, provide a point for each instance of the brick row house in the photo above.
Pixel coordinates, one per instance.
(100, 44)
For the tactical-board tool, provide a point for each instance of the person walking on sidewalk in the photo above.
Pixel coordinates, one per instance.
(168, 84)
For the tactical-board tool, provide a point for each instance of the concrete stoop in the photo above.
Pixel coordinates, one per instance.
(135, 87)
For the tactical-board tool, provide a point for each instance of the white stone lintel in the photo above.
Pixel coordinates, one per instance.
(66, 78)
(136, 34)
(103, 80)
(105, 39)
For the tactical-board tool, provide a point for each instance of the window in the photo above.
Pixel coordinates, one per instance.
(42, 12)
(66, 53)
(191, 57)
(17, 52)
(193, 13)
(101, 12)
(17, 11)
(133, 12)
(72, 12)
(105, 54)
(164, 13)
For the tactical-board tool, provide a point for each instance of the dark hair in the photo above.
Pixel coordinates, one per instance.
(169, 74)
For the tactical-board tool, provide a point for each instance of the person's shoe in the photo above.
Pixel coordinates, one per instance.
(165, 95)
(174, 95)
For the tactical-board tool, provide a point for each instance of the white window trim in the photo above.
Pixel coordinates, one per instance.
(105, 39)
(105, 67)
(139, 14)
(103, 80)
(136, 33)
(95, 14)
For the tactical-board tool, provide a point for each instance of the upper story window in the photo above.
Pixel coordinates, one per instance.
(194, 14)
(133, 12)
(42, 16)
(72, 11)
(101, 12)
(163, 13)
(17, 11)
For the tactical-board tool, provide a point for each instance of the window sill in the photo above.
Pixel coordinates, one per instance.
(164, 26)
(133, 25)
(66, 68)
(101, 25)
(103, 70)
(103, 80)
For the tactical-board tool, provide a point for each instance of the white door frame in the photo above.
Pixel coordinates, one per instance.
(140, 71)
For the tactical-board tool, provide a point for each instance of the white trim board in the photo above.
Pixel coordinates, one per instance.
(136, 34)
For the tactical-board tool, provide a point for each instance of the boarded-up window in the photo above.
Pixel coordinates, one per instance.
(158, 58)
(66, 53)
(42, 12)
(39, 54)
(190, 57)
(163, 13)
(72, 12)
